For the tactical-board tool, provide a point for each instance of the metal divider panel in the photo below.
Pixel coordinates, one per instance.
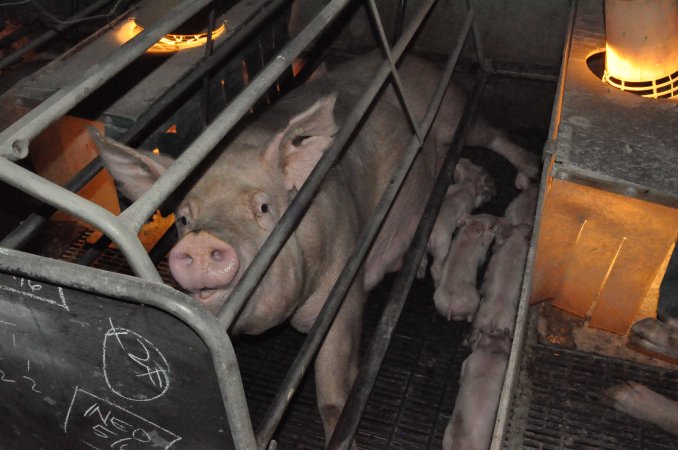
(79, 370)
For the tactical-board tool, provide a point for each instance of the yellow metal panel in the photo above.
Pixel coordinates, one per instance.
(598, 252)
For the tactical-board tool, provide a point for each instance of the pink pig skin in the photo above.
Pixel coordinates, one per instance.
(227, 214)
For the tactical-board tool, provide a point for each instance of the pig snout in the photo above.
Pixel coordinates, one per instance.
(202, 263)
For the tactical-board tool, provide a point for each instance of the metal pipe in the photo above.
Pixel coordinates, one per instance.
(350, 416)
(21, 234)
(400, 18)
(113, 226)
(183, 307)
(137, 213)
(367, 237)
(236, 36)
(522, 315)
(15, 138)
(394, 72)
(18, 34)
(45, 37)
(480, 51)
(525, 75)
(285, 226)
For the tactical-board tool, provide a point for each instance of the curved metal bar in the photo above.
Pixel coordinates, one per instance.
(237, 34)
(14, 140)
(48, 192)
(133, 289)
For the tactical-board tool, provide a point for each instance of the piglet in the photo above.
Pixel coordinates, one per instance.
(637, 400)
(500, 291)
(480, 385)
(456, 296)
(521, 210)
(657, 336)
(473, 187)
(642, 403)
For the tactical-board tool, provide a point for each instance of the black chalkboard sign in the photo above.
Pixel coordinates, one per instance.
(79, 370)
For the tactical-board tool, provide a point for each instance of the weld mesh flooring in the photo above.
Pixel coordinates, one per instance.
(557, 404)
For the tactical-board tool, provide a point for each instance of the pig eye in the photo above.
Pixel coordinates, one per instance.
(263, 208)
(297, 140)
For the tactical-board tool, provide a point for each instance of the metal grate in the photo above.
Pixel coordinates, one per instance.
(558, 403)
(415, 391)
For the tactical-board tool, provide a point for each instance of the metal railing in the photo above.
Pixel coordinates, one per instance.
(122, 229)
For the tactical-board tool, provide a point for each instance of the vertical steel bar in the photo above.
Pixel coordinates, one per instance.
(368, 235)
(374, 356)
(14, 140)
(137, 213)
(132, 289)
(522, 315)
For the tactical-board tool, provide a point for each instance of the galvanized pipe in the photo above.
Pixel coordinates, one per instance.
(85, 210)
(21, 234)
(45, 37)
(367, 237)
(14, 141)
(179, 305)
(236, 36)
(137, 213)
(354, 407)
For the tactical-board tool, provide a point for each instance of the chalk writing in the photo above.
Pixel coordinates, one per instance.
(133, 367)
(29, 288)
(107, 425)
(5, 375)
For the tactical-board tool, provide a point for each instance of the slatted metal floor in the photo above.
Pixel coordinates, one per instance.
(557, 404)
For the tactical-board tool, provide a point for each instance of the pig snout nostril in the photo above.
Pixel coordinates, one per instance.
(218, 255)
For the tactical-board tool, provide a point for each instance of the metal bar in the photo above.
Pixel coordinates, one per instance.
(14, 140)
(519, 337)
(525, 75)
(116, 229)
(367, 237)
(400, 18)
(284, 228)
(19, 33)
(347, 425)
(45, 37)
(560, 89)
(21, 234)
(480, 51)
(137, 213)
(185, 308)
(394, 72)
(237, 35)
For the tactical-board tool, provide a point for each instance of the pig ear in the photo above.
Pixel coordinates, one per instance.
(134, 170)
(299, 147)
